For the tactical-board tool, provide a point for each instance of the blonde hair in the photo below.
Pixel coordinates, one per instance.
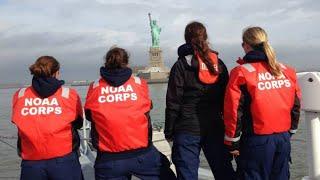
(257, 38)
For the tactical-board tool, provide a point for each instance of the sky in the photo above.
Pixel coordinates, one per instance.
(79, 32)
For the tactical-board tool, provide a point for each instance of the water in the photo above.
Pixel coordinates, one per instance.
(10, 162)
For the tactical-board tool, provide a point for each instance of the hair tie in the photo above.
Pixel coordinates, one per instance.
(259, 47)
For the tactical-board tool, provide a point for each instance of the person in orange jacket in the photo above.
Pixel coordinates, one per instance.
(118, 105)
(261, 110)
(47, 116)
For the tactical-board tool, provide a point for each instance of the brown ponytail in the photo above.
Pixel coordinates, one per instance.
(257, 37)
(45, 66)
(116, 58)
(196, 34)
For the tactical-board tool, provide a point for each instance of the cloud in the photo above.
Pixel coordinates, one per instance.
(125, 2)
(4, 26)
(79, 32)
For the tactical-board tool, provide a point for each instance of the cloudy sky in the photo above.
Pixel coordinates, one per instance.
(79, 32)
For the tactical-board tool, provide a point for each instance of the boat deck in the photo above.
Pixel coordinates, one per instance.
(159, 141)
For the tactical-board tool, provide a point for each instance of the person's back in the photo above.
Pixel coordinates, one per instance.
(120, 115)
(47, 116)
(262, 107)
(201, 103)
(270, 96)
(194, 106)
(118, 106)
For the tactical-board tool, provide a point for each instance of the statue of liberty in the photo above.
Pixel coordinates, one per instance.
(155, 32)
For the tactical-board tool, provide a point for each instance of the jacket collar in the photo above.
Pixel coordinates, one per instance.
(185, 50)
(46, 86)
(253, 56)
(186, 53)
(116, 77)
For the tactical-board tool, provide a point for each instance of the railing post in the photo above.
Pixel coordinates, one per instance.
(310, 88)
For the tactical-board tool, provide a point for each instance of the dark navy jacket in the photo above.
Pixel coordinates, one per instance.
(191, 106)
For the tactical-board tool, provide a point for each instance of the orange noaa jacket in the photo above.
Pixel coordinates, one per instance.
(257, 103)
(119, 115)
(45, 125)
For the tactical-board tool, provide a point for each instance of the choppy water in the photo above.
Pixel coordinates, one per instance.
(10, 162)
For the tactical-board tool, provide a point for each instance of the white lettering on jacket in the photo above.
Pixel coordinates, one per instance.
(117, 94)
(204, 67)
(38, 106)
(267, 81)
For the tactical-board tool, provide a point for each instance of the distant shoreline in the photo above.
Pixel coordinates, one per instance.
(149, 81)
(81, 83)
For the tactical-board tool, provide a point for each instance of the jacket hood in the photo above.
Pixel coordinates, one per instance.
(116, 77)
(46, 87)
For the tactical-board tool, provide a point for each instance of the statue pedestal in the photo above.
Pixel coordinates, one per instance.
(156, 69)
(155, 57)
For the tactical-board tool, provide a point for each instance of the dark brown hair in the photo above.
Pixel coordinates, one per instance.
(196, 34)
(116, 58)
(45, 66)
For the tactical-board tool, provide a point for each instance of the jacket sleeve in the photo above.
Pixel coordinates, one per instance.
(233, 108)
(78, 122)
(174, 98)
(146, 95)
(14, 102)
(87, 108)
(295, 110)
(224, 77)
(13, 120)
(88, 114)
